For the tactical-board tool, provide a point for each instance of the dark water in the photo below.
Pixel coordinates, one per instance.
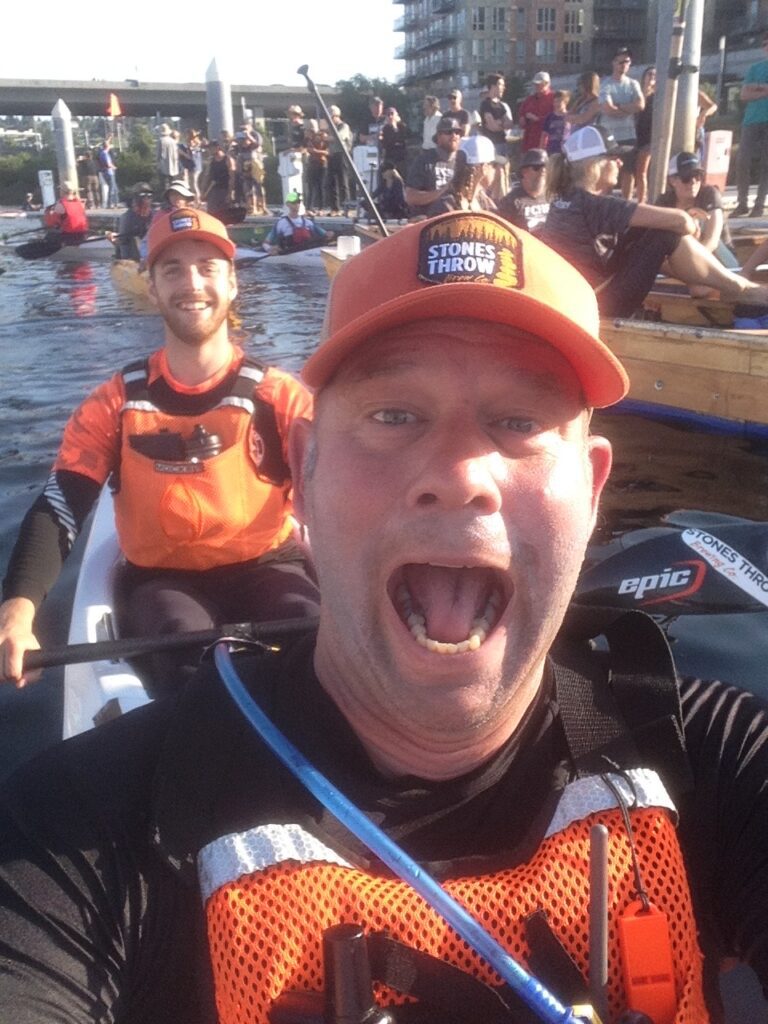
(64, 329)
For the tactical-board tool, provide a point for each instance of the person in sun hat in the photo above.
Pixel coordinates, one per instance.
(619, 245)
(450, 482)
(194, 437)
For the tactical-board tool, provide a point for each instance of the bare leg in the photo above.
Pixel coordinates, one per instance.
(641, 175)
(759, 256)
(695, 265)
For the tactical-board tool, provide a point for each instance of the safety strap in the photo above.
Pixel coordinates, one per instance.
(626, 710)
(273, 467)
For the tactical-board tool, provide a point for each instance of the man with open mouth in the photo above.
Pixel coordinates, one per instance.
(169, 866)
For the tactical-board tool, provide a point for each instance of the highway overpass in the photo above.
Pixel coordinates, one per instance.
(147, 99)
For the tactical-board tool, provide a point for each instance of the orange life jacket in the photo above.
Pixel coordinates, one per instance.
(179, 512)
(270, 893)
(73, 221)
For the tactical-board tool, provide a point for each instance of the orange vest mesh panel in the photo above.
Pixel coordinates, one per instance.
(265, 930)
(221, 515)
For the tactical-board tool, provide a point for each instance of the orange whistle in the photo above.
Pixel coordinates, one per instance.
(646, 956)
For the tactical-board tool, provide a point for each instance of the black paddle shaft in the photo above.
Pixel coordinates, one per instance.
(304, 70)
(133, 647)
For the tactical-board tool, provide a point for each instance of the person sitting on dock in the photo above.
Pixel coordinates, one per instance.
(704, 203)
(592, 815)
(66, 221)
(526, 204)
(621, 246)
(194, 439)
(133, 225)
(295, 230)
(431, 170)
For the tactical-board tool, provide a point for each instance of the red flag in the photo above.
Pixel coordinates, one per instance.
(113, 106)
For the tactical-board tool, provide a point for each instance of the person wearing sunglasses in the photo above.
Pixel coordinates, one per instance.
(621, 98)
(429, 176)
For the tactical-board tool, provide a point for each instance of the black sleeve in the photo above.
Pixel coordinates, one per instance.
(417, 175)
(607, 215)
(724, 822)
(95, 926)
(47, 534)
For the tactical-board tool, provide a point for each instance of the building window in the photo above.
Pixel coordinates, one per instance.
(478, 19)
(520, 53)
(574, 22)
(520, 21)
(545, 50)
(545, 19)
(499, 49)
(572, 52)
(478, 49)
(499, 19)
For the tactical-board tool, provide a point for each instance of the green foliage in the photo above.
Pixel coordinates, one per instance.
(355, 93)
(18, 174)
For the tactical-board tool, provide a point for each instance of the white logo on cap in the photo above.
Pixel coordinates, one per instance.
(182, 223)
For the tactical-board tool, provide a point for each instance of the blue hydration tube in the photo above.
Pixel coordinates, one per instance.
(538, 998)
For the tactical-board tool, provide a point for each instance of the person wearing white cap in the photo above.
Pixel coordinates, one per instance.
(619, 245)
(473, 173)
(533, 111)
(167, 155)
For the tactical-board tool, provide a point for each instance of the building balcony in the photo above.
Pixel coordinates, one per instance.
(443, 6)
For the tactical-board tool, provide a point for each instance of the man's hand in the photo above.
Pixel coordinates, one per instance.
(16, 637)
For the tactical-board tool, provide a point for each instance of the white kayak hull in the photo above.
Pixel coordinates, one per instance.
(100, 689)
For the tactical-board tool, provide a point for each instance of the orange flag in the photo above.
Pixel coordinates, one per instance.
(113, 106)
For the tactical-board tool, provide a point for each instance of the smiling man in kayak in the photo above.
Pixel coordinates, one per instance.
(450, 483)
(194, 440)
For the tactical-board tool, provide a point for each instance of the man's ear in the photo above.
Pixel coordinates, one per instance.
(300, 438)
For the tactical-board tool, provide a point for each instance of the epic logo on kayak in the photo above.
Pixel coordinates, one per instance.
(465, 250)
(679, 580)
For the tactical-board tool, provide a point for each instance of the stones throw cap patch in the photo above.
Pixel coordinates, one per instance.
(184, 222)
(470, 249)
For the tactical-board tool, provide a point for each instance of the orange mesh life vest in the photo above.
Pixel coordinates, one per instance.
(180, 514)
(271, 893)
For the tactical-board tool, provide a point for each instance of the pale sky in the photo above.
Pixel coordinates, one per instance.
(258, 42)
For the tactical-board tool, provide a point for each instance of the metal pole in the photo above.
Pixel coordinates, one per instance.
(684, 130)
(661, 143)
(720, 71)
(304, 70)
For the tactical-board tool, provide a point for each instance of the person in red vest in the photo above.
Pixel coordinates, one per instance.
(67, 220)
(533, 111)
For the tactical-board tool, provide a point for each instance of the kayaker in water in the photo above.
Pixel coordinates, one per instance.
(621, 246)
(194, 438)
(133, 225)
(295, 231)
(66, 220)
(165, 867)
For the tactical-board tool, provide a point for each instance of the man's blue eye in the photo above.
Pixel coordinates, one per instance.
(518, 425)
(393, 417)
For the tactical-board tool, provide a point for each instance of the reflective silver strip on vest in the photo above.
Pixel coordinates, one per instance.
(135, 375)
(229, 858)
(64, 514)
(583, 797)
(139, 406)
(252, 372)
(239, 403)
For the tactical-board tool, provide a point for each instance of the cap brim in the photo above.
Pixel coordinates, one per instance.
(603, 379)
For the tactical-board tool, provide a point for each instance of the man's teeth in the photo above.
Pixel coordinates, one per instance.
(481, 626)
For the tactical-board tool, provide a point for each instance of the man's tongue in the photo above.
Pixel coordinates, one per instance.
(450, 599)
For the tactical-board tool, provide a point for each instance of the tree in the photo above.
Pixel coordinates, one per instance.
(356, 91)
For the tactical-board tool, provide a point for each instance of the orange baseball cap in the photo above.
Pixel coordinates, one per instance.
(185, 223)
(473, 265)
